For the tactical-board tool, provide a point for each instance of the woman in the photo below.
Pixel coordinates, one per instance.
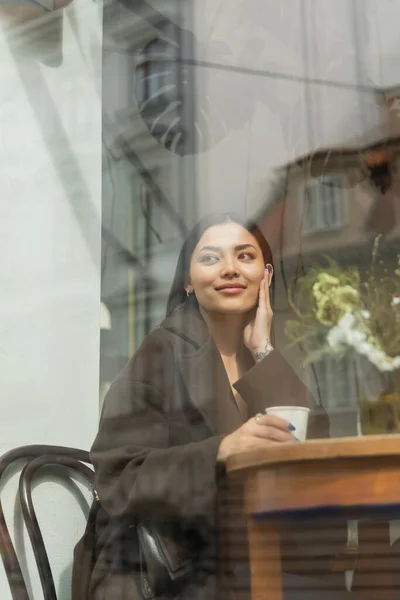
(193, 394)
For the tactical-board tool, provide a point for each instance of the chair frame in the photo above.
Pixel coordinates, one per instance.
(37, 457)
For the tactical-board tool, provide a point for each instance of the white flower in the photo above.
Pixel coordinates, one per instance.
(377, 357)
(345, 334)
(364, 348)
(347, 321)
(365, 314)
(336, 337)
(395, 300)
(355, 338)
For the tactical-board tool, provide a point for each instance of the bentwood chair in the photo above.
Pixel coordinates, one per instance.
(37, 456)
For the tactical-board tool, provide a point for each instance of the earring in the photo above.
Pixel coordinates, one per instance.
(187, 293)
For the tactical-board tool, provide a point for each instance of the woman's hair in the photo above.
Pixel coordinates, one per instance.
(178, 296)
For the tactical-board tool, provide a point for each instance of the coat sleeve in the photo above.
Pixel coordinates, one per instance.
(272, 382)
(137, 472)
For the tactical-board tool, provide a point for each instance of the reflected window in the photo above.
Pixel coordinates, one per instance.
(155, 77)
(158, 83)
(324, 205)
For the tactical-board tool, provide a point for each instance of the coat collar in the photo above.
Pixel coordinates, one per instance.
(188, 322)
(203, 371)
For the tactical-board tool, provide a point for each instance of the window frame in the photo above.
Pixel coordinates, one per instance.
(155, 61)
(337, 184)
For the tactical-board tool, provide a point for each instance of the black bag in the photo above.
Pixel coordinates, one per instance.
(165, 563)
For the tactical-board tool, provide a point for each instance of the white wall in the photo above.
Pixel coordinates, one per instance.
(50, 216)
(384, 49)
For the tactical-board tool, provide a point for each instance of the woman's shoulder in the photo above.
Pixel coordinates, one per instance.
(178, 334)
(149, 371)
(148, 377)
(155, 347)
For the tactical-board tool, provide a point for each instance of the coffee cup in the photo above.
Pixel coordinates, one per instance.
(295, 415)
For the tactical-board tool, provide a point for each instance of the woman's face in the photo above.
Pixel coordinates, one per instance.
(226, 269)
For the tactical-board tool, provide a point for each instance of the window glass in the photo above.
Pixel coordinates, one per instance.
(199, 221)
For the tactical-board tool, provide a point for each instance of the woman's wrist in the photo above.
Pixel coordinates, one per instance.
(263, 350)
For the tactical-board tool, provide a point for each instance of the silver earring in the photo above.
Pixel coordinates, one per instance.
(187, 293)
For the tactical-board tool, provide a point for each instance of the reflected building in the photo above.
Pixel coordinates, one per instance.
(334, 203)
(149, 196)
(200, 106)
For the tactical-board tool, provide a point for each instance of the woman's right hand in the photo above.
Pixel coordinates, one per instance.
(262, 432)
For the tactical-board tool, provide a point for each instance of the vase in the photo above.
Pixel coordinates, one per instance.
(378, 401)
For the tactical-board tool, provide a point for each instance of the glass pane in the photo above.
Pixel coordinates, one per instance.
(200, 232)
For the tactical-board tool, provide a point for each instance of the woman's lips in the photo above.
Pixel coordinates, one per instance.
(234, 289)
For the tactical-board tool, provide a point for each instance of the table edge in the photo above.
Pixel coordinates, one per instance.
(325, 449)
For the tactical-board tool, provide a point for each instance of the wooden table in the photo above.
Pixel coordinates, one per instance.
(291, 481)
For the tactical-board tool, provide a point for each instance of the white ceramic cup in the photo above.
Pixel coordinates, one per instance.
(296, 415)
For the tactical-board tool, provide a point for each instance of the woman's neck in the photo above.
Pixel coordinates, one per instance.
(226, 331)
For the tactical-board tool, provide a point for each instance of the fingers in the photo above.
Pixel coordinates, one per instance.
(272, 428)
(273, 421)
(260, 443)
(272, 434)
(261, 294)
(266, 295)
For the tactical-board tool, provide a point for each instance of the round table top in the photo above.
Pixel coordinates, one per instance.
(316, 450)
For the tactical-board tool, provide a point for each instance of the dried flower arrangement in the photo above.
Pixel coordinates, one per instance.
(339, 312)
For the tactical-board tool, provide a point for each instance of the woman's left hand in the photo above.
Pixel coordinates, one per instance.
(256, 334)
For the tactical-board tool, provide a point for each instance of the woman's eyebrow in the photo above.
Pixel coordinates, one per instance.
(236, 248)
(212, 248)
(243, 246)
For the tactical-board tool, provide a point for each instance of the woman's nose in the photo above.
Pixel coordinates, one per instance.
(229, 269)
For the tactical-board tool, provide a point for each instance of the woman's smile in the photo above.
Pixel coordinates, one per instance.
(231, 288)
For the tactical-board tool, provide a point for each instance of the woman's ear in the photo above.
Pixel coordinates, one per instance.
(269, 271)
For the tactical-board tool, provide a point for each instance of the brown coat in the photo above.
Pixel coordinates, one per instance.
(155, 452)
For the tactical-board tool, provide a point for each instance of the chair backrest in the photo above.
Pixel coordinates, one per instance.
(36, 456)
